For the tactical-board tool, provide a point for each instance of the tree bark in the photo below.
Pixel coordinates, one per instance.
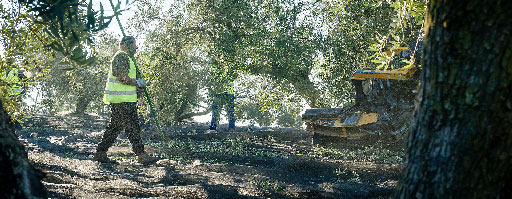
(461, 143)
(18, 178)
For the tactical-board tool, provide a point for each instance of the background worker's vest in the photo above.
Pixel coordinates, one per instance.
(12, 79)
(116, 92)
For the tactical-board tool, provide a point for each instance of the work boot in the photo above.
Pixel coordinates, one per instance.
(145, 159)
(101, 156)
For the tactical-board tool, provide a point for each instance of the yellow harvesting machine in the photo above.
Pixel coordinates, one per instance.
(384, 103)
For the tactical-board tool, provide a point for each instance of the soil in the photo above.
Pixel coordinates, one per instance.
(250, 162)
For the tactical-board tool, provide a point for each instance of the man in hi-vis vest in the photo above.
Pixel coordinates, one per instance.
(121, 94)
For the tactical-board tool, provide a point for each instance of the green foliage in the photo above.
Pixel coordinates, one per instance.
(267, 103)
(36, 32)
(352, 27)
(172, 66)
(224, 151)
(357, 32)
(371, 153)
(309, 48)
(173, 84)
(262, 38)
(69, 24)
(406, 28)
(268, 185)
(66, 88)
(22, 52)
(278, 55)
(349, 176)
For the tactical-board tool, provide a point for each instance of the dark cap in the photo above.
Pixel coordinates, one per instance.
(130, 40)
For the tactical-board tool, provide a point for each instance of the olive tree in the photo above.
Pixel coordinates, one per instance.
(460, 144)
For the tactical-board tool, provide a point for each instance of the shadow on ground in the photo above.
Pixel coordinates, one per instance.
(248, 163)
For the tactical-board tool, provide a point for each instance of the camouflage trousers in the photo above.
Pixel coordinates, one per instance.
(123, 117)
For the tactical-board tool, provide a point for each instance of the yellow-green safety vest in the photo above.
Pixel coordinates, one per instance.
(13, 81)
(116, 92)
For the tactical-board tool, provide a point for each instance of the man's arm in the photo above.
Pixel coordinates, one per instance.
(126, 80)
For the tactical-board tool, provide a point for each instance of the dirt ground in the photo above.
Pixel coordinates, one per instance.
(194, 163)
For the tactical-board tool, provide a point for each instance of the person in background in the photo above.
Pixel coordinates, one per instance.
(221, 100)
(121, 94)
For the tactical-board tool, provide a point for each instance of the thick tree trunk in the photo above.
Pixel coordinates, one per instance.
(461, 144)
(18, 179)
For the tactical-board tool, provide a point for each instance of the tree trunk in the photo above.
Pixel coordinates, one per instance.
(310, 93)
(189, 96)
(19, 179)
(82, 104)
(461, 143)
